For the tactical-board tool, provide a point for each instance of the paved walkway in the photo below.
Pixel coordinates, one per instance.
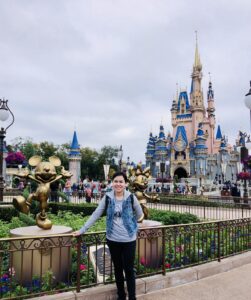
(231, 285)
(229, 279)
(213, 213)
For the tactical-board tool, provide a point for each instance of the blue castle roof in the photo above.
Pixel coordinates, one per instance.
(161, 132)
(183, 95)
(75, 150)
(218, 134)
(200, 139)
(181, 130)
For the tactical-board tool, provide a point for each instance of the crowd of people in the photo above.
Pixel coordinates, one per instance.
(85, 190)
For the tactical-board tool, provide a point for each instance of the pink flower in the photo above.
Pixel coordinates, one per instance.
(143, 261)
(244, 175)
(168, 266)
(5, 276)
(179, 248)
(83, 267)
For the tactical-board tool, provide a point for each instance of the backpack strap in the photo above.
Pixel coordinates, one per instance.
(106, 202)
(132, 201)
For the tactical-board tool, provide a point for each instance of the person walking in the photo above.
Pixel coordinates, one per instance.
(123, 211)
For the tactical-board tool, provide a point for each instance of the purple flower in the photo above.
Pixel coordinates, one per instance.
(15, 158)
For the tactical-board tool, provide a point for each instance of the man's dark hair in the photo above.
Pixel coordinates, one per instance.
(120, 174)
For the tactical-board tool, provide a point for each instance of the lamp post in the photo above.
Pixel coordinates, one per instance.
(4, 115)
(248, 102)
(162, 170)
(243, 157)
(120, 156)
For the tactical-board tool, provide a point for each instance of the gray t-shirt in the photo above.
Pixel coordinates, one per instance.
(119, 232)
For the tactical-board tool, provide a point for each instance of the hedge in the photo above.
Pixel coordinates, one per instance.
(7, 212)
(85, 209)
(191, 202)
(172, 217)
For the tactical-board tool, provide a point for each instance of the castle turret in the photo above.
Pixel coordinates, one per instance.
(196, 95)
(200, 152)
(211, 115)
(174, 110)
(75, 160)
(150, 149)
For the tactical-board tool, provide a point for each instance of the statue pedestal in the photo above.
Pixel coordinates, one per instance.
(149, 245)
(41, 252)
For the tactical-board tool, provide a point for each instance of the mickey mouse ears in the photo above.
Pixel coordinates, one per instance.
(35, 160)
(55, 161)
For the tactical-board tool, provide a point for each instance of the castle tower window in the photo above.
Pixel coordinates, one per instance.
(182, 108)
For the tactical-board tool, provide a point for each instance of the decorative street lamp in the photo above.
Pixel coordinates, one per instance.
(243, 157)
(162, 170)
(248, 101)
(5, 112)
(120, 156)
(167, 168)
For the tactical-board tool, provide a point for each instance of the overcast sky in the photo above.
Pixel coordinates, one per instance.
(110, 68)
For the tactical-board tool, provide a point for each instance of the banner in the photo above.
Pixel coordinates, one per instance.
(106, 171)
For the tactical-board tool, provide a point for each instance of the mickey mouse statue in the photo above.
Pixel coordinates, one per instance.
(44, 174)
(138, 182)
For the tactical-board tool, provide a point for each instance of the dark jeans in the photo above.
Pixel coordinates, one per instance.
(123, 255)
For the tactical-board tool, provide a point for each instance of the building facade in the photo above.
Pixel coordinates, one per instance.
(194, 148)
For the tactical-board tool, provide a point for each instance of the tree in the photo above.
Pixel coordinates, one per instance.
(46, 150)
(62, 154)
(93, 161)
(88, 162)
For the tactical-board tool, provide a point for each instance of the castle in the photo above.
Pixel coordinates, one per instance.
(195, 148)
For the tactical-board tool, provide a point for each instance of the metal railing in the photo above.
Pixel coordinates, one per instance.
(35, 266)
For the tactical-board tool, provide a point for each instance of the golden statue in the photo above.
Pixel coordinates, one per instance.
(138, 182)
(44, 174)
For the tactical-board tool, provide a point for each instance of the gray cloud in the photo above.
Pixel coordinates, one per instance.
(110, 68)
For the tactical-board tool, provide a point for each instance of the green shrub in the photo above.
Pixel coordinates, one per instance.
(84, 209)
(26, 193)
(7, 212)
(28, 220)
(189, 200)
(4, 229)
(76, 221)
(171, 217)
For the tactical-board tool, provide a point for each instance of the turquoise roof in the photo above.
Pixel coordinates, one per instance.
(218, 134)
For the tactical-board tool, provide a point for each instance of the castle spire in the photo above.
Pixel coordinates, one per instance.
(210, 92)
(197, 64)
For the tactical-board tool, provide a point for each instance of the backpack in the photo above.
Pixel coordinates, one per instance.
(107, 202)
